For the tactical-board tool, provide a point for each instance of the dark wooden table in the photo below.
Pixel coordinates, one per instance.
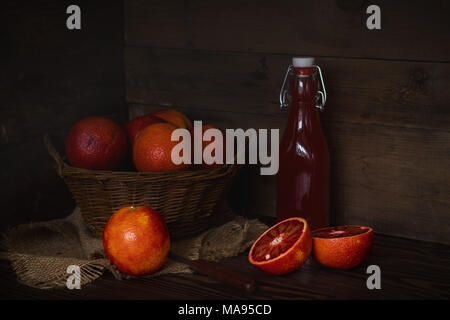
(409, 269)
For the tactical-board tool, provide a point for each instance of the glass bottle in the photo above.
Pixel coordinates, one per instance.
(303, 177)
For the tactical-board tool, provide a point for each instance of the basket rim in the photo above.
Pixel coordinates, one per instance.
(199, 174)
(66, 170)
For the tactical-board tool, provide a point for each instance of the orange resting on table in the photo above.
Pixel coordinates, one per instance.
(136, 240)
(283, 248)
(342, 247)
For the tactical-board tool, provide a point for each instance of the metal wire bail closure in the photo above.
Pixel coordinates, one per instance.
(283, 102)
(322, 94)
(322, 97)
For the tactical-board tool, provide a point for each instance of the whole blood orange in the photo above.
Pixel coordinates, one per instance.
(135, 126)
(96, 143)
(174, 117)
(136, 240)
(283, 248)
(153, 148)
(342, 247)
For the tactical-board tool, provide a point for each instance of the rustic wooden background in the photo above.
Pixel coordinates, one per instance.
(387, 117)
(50, 78)
(386, 120)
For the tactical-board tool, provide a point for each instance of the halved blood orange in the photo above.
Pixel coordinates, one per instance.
(342, 247)
(283, 248)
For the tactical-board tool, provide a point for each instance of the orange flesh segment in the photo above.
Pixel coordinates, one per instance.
(339, 232)
(277, 241)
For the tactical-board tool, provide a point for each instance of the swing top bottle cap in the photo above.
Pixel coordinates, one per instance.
(302, 62)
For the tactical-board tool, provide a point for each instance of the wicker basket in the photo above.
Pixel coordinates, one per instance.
(186, 199)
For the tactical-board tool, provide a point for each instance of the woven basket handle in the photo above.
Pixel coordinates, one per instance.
(55, 155)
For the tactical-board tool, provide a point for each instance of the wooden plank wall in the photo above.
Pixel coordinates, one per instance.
(50, 78)
(387, 119)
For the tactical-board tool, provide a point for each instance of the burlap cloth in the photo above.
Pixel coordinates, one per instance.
(41, 252)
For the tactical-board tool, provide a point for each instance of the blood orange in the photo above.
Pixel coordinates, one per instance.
(174, 117)
(152, 149)
(283, 248)
(135, 126)
(96, 143)
(342, 247)
(136, 240)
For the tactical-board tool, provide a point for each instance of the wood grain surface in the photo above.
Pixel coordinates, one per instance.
(411, 30)
(409, 270)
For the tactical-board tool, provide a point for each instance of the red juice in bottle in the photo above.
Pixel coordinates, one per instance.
(303, 177)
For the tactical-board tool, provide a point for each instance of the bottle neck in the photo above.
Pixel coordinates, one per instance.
(304, 87)
(303, 126)
(304, 114)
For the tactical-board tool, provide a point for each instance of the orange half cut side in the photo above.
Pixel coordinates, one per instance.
(283, 248)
